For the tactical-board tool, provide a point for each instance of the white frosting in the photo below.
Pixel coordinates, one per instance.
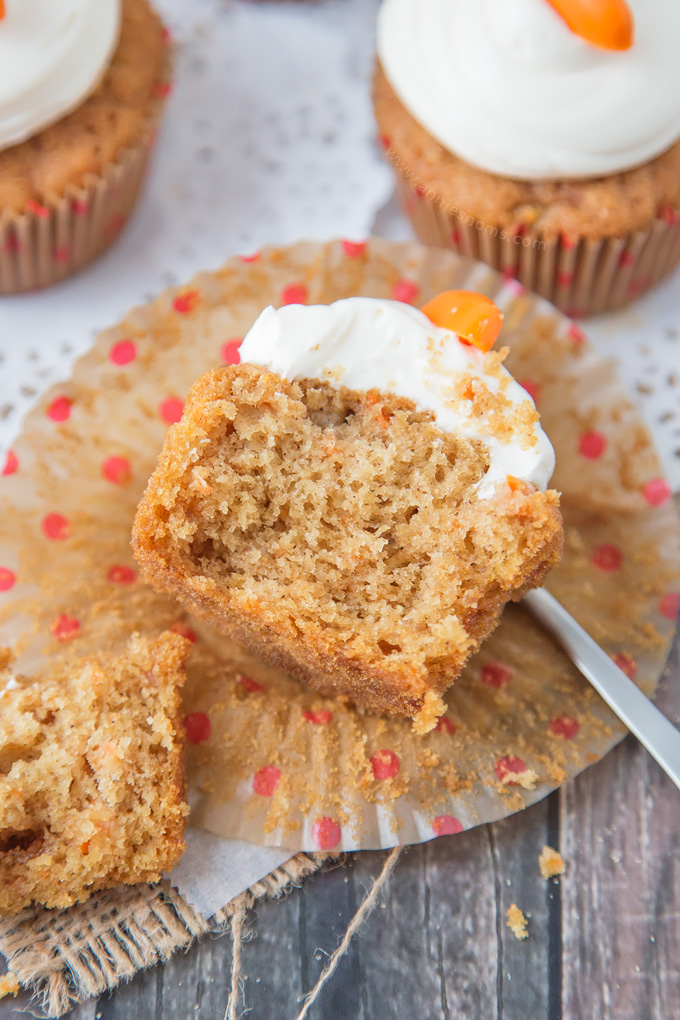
(365, 343)
(53, 54)
(507, 86)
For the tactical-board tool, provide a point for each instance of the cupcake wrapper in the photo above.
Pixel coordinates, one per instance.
(579, 275)
(282, 765)
(48, 242)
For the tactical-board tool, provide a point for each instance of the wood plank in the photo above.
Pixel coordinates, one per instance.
(529, 971)
(441, 939)
(621, 901)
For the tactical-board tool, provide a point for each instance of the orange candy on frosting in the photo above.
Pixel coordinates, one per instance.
(2, 9)
(604, 23)
(474, 317)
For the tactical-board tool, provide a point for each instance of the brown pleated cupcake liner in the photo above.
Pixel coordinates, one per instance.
(52, 240)
(579, 275)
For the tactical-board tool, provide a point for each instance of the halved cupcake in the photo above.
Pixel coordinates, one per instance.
(358, 499)
(91, 773)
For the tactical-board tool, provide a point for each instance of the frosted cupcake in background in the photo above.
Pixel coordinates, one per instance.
(82, 84)
(540, 136)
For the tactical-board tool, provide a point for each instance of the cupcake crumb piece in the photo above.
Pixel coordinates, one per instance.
(9, 984)
(517, 922)
(551, 862)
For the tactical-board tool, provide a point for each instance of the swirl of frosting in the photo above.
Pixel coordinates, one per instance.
(508, 87)
(53, 54)
(367, 343)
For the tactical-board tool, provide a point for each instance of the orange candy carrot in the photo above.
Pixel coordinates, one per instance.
(604, 23)
(474, 317)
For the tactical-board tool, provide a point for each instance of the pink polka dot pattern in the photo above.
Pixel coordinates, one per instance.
(117, 470)
(607, 557)
(532, 388)
(496, 674)
(60, 409)
(575, 334)
(626, 664)
(37, 209)
(7, 579)
(669, 605)
(115, 225)
(251, 685)
(406, 291)
(385, 765)
(326, 833)
(354, 249)
(564, 726)
(123, 352)
(56, 526)
(11, 464)
(197, 727)
(507, 766)
(446, 825)
(186, 302)
(657, 492)
(121, 574)
(230, 351)
(294, 294)
(65, 628)
(171, 409)
(592, 445)
(669, 215)
(266, 781)
(184, 630)
(320, 718)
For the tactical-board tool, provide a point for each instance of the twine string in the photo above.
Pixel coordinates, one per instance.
(237, 920)
(361, 915)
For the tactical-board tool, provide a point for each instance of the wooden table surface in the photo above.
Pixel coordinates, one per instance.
(604, 940)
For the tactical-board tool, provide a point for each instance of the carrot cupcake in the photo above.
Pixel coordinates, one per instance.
(359, 499)
(540, 136)
(81, 88)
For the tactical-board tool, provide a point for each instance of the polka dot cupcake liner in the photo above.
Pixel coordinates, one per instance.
(578, 275)
(269, 760)
(52, 240)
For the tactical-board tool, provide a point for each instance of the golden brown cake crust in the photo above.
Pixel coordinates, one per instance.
(113, 118)
(610, 206)
(290, 592)
(92, 788)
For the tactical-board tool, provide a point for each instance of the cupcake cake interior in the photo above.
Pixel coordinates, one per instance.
(343, 533)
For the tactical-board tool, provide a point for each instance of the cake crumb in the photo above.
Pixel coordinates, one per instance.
(9, 984)
(517, 922)
(432, 708)
(551, 862)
